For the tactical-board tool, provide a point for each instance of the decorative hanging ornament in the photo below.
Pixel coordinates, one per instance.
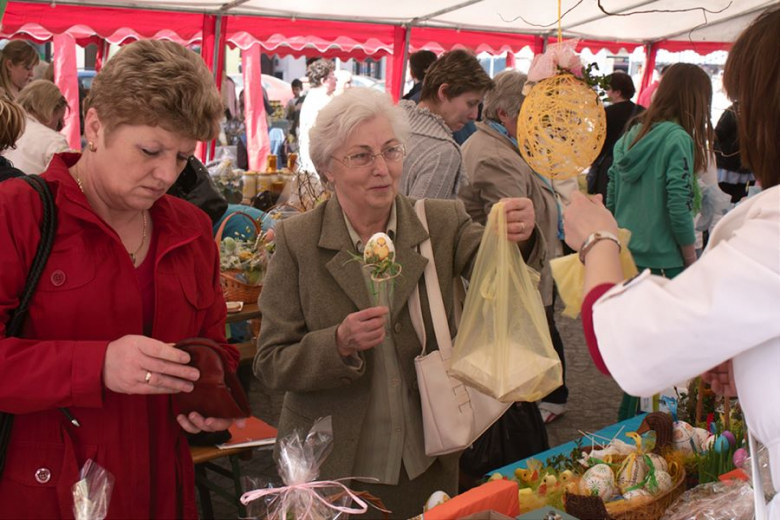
(562, 125)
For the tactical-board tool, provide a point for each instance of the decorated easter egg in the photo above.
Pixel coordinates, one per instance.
(631, 473)
(436, 499)
(658, 462)
(636, 494)
(663, 483)
(684, 437)
(598, 481)
(740, 456)
(701, 437)
(730, 437)
(378, 248)
(721, 444)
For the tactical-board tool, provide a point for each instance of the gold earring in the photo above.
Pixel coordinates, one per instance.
(92, 147)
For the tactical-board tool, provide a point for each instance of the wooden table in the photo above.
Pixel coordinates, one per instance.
(248, 349)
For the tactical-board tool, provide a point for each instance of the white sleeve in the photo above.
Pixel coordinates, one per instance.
(653, 332)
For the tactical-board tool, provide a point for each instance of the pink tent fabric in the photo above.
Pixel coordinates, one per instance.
(258, 146)
(66, 80)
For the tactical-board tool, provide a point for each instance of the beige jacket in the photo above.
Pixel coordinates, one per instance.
(313, 284)
(496, 170)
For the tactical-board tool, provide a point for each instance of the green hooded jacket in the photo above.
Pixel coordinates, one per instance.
(651, 193)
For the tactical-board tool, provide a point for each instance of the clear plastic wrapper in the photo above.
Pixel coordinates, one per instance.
(731, 500)
(92, 492)
(763, 469)
(302, 496)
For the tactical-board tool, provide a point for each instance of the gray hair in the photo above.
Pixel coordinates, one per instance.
(507, 96)
(336, 122)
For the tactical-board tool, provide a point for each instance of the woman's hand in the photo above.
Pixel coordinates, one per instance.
(721, 379)
(520, 219)
(130, 358)
(361, 330)
(583, 217)
(196, 423)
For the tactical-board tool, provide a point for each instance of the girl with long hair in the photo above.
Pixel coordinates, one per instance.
(652, 188)
(17, 61)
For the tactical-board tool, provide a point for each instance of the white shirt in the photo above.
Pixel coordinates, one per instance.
(316, 100)
(36, 147)
(653, 332)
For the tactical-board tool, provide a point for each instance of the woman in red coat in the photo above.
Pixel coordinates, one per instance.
(132, 271)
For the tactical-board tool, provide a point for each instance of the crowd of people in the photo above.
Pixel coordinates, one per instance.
(134, 268)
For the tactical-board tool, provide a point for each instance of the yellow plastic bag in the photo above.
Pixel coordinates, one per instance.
(569, 275)
(503, 347)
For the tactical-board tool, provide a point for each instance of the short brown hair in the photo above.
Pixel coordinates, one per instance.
(460, 71)
(157, 83)
(684, 96)
(318, 71)
(419, 63)
(11, 123)
(40, 99)
(16, 51)
(752, 81)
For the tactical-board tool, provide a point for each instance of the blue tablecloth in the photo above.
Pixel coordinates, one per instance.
(603, 435)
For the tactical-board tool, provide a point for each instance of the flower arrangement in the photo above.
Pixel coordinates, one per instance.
(247, 258)
(229, 180)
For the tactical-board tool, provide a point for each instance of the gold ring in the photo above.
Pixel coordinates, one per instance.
(148, 377)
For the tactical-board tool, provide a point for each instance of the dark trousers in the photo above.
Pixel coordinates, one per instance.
(561, 394)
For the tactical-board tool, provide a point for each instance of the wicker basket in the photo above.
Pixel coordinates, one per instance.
(593, 508)
(234, 289)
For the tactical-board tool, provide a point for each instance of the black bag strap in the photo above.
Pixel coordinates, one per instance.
(48, 230)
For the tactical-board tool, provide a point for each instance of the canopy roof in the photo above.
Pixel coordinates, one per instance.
(361, 28)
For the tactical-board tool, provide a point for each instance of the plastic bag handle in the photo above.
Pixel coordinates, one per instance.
(435, 301)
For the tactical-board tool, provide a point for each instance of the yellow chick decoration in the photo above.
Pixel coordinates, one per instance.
(379, 248)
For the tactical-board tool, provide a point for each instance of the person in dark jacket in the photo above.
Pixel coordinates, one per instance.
(619, 113)
(733, 178)
(11, 128)
(418, 65)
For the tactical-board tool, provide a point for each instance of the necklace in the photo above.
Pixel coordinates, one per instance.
(143, 216)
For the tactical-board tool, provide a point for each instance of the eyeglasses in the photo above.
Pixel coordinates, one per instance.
(391, 154)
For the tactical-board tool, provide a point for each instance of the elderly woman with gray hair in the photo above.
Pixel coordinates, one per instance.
(325, 343)
(496, 170)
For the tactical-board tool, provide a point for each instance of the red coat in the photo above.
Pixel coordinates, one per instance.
(88, 296)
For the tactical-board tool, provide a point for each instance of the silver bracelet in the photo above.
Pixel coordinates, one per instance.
(593, 238)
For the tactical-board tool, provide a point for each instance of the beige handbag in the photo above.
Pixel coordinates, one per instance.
(454, 415)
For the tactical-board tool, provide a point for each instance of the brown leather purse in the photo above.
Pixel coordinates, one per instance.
(217, 393)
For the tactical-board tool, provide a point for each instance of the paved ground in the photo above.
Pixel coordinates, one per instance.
(593, 403)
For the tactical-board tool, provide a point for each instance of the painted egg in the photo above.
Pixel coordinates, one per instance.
(598, 481)
(436, 499)
(721, 444)
(730, 437)
(636, 494)
(740, 456)
(684, 437)
(663, 483)
(379, 247)
(631, 473)
(701, 437)
(658, 462)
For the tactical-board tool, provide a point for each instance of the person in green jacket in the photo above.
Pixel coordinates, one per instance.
(652, 182)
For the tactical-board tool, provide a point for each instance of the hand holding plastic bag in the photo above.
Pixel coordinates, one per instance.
(503, 347)
(92, 493)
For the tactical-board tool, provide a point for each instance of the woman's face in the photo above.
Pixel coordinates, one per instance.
(136, 164)
(375, 185)
(20, 73)
(458, 111)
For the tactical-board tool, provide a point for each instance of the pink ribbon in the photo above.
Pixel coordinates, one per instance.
(310, 488)
(561, 55)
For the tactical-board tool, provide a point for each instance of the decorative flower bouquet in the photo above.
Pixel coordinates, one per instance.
(243, 260)
(379, 259)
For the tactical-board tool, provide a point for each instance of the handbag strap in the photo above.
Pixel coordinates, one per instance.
(48, 228)
(435, 300)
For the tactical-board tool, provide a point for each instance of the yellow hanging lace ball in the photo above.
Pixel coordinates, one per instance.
(561, 127)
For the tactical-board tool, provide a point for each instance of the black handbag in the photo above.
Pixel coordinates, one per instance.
(194, 185)
(14, 328)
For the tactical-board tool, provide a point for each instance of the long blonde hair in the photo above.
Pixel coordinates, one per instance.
(15, 52)
(684, 96)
